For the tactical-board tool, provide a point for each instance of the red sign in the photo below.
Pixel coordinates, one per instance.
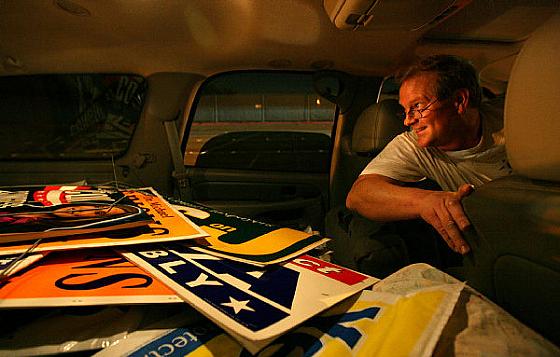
(330, 270)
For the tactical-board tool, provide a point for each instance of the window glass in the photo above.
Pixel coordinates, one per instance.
(70, 116)
(261, 121)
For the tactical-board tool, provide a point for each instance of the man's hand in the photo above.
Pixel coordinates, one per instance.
(443, 210)
(381, 198)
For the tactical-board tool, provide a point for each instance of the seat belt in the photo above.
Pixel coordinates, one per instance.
(179, 173)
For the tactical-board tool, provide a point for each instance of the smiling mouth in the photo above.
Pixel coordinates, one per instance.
(419, 130)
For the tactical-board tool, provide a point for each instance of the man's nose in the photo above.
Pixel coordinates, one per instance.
(409, 120)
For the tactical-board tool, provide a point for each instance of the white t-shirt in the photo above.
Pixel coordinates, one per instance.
(403, 160)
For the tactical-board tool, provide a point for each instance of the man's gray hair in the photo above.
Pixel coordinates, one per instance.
(453, 73)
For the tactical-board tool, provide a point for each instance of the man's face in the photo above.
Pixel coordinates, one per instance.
(438, 123)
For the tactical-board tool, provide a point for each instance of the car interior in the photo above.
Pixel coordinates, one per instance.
(270, 109)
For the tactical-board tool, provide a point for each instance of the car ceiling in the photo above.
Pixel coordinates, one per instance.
(212, 36)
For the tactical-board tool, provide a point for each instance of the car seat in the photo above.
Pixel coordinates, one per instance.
(376, 126)
(515, 258)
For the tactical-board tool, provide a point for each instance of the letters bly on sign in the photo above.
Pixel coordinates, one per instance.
(247, 240)
(249, 302)
(167, 225)
(83, 277)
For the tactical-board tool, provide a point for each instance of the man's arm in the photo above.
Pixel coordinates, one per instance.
(381, 198)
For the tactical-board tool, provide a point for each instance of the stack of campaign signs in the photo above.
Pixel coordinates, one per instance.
(132, 259)
(97, 270)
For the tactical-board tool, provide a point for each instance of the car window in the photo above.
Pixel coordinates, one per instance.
(69, 116)
(261, 121)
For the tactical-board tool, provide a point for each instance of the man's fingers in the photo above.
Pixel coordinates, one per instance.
(458, 243)
(456, 213)
(454, 238)
(444, 212)
(455, 208)
(465, 190)
(440, 228)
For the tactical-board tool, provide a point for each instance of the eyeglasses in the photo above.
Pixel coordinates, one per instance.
(415, 113)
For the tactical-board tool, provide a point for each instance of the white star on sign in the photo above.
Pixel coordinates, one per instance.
(237, 305)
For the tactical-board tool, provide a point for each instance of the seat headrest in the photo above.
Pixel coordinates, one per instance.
(376, 126)
(531, 119)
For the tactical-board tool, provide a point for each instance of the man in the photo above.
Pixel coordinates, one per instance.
(453, 139)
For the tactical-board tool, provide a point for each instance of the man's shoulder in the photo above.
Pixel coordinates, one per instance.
(408, 136)
(406, 143)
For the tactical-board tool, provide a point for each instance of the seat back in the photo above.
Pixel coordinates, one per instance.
(374, 128)
(531, 122)
(515, 258)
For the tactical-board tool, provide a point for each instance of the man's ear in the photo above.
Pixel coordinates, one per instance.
(461, 100)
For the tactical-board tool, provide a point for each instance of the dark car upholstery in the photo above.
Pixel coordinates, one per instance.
(516, 256)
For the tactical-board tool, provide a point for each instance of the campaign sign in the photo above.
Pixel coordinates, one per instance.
(157, 341)
(245, 239)
(251, 303)
(54, 211)
(368, 324)
(166, 224)
(83, 277)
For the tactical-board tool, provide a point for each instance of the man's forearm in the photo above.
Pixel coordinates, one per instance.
(381, 198)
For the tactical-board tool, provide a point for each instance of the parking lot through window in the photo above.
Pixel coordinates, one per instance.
(261, 121)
